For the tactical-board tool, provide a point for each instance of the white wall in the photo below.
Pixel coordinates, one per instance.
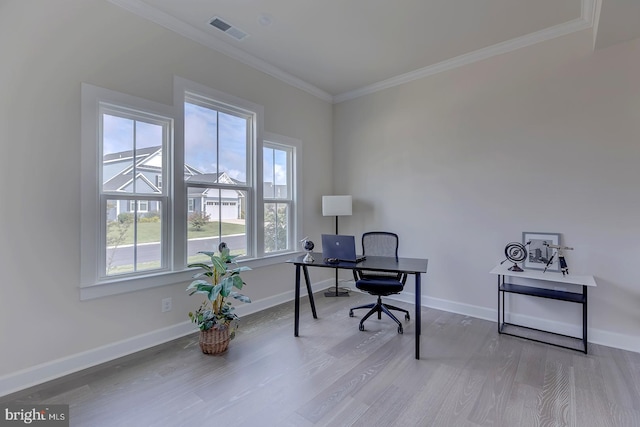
(543, 139)
(47, 49)
(472, 157)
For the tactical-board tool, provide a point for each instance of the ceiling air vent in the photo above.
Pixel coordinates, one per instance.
(227, 28)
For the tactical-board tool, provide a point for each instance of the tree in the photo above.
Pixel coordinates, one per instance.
(199, 219)
(116, 234)
(276, 226)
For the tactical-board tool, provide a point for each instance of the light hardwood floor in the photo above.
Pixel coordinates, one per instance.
(336, 375)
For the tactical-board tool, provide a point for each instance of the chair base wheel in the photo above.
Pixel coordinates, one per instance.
(361, 327)
(351, 313)
(400, 331)
(406, 317)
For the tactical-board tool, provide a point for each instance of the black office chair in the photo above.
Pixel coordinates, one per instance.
(380, 243)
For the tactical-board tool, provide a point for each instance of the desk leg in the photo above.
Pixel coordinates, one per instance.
(309, 291)
(500, 306)
(418, 314)
(584, 319)
(296, 321)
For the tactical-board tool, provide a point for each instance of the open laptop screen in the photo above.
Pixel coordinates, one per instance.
(340, 247)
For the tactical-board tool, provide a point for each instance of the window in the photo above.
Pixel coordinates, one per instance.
(140, 207)
(277, 170)
(218, 142)
(133, 146)
(174, 180)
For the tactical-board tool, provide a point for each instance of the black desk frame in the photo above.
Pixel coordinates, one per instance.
(389, 264)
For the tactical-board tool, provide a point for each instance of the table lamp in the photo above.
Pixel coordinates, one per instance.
(336, 206)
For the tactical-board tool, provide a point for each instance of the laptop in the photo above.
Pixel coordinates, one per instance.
(340, 248)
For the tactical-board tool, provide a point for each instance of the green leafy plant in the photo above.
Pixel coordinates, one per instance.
(199, 219)
(217, 281)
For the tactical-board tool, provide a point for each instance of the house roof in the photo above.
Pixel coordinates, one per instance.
(141, 154)
(124, 178)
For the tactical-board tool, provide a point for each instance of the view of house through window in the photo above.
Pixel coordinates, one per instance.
(217, 146)
(277, 164)
(132, 164)
(158, 198)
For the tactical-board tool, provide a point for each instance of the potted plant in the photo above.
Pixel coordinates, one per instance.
(215, 317)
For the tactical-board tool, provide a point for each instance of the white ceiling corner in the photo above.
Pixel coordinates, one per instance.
(304, 54)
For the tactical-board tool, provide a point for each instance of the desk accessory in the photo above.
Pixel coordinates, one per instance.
(308, 246)
(560, 252)
(515, 252)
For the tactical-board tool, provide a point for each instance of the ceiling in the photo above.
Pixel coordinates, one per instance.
(341, 49)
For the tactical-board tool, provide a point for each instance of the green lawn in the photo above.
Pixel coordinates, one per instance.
(150, 232)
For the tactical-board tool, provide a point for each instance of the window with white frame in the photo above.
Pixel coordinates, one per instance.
(133, 148)
(155, 198)
(218, 142)
(277, 160)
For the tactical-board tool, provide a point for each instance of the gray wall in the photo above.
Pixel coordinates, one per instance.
(48, 48)
(459, 164)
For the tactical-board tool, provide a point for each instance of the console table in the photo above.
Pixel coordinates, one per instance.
(502, 271)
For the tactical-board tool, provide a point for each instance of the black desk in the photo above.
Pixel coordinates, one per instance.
(413, 266)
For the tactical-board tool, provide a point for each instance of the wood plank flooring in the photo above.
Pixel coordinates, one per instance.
(336, 375)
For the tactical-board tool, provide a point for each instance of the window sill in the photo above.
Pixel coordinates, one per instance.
(124, 285)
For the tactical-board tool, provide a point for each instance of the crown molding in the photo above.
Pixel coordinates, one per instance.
(469, 58)
(150, 13)
(589, 11)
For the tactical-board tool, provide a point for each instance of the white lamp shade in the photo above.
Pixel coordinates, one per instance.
(336, 205)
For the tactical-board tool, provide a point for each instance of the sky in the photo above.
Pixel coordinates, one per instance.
(203, 128)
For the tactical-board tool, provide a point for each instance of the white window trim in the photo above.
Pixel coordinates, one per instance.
(90, 213)
(253, 227)
(90, 285)
(296, 190)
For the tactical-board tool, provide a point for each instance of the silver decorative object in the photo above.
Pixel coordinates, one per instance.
(308, 246)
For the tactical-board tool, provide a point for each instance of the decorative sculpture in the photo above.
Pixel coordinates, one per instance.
(560, 252)
(308, 246)
(515, 252)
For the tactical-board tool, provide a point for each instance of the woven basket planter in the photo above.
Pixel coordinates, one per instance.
(215, 341)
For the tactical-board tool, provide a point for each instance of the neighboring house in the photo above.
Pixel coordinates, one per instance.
(229, 203)
(118, 170)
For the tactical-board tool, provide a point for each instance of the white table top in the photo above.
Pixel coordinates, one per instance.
(550, 276)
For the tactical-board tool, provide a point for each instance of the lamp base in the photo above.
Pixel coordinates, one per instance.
(336, 293)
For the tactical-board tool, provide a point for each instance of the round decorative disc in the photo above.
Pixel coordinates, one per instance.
(515, 252)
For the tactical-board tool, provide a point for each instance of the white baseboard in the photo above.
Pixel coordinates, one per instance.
(595, 336)
(48, 371)
(56, 368)
(274, 300)
(39, 374)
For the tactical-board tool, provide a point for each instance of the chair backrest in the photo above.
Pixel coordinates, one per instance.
(380, 243)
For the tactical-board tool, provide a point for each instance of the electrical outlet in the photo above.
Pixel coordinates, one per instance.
(166, 305)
